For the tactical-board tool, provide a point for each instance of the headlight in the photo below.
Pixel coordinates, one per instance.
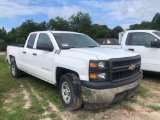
(97, 76)
(102, 76)
(98, 70)
(101, 65)
(95, 65)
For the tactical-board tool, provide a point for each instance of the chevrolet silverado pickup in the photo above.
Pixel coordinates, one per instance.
(144, 42)
(87, 74)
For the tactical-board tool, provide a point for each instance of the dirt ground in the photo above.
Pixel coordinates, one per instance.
(2, 53)
(140, 107)
(31, 98)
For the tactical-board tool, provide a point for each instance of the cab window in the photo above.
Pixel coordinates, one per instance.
(31, 40)
(140, 39)
(44, 41)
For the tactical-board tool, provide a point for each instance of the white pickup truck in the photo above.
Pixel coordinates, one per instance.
(85, 73)
(144, 42)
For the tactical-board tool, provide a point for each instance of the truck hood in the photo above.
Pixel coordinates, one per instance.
(103, 53)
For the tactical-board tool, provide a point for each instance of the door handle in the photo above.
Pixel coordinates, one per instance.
(34, 54)
(24, 52)
(131, 49)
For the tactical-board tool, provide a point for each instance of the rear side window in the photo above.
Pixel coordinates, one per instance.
(31, 40)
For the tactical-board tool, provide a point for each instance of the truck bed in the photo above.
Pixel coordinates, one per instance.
(14, 51)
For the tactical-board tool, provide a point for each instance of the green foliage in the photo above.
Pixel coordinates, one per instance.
(58, 24)
(154, 24)
(2, 45)
(115, 31)
(3, 39)
(99, 31)
(80, 22)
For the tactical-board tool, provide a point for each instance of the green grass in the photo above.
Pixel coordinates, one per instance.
(7, 82)
(37, 105)
(156, 108)
(46, 90)
(142, 91)
(82, 117)
(14, 109)
(125, 105)
(133, 100)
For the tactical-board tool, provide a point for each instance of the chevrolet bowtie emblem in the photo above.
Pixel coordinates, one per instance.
(132, 67)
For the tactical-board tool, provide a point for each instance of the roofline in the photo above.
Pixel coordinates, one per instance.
(57, 31)
(141, 30)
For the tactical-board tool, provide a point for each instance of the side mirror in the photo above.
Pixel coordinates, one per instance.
(44, 46)
(155, 44)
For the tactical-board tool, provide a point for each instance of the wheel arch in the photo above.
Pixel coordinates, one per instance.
(61, 71)
(11, 58)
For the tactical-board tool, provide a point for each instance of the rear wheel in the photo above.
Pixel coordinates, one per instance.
(70, 91)
(16, 73)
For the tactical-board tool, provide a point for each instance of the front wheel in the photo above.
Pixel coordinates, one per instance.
(70, 92)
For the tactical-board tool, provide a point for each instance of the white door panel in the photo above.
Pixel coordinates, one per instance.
(27, 54)
(43, 64)
(43, 59)
(141, 44)
(149, 56)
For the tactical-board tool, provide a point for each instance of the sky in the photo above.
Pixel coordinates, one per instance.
(104, 12)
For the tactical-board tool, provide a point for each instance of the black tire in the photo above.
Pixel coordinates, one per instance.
(16, 73)
(73, 82)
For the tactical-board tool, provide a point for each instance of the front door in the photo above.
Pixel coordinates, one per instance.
(140, 42)
(43, 60)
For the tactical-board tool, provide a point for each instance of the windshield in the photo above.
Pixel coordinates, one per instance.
(73, 40)
(157, 33)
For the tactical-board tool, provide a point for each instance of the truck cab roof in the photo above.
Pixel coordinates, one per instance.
(142, 31)
(57, 32)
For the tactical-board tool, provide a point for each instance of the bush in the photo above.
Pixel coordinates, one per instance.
(3, 45)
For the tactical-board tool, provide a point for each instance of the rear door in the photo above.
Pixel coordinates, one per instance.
(28, 54)
(140, 42)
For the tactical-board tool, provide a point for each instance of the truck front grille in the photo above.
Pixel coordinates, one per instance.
(126, 62)
(120, 68)
(125, 74)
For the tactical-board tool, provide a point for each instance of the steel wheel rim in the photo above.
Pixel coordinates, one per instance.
(13, 70)
(66, 92)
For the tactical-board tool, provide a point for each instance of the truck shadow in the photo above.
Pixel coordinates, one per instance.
(151, 76)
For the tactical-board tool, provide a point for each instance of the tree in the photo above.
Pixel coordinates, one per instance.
(99, 31)
(154, 24)
(3, 34)
(58, 24)
(19, 35)
(2, 45)
(156, 21)
(80, 22)
(116, 30)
